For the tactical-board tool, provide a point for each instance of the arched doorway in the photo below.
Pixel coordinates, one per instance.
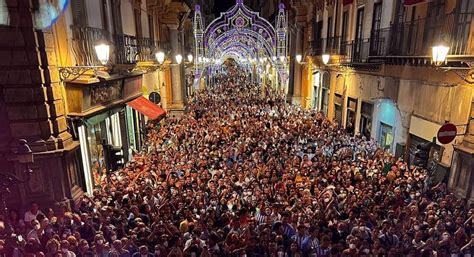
(241, 34)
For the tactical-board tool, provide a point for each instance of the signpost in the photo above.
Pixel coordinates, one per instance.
(447, 133)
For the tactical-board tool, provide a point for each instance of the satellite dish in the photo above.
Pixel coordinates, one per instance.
(154, 97)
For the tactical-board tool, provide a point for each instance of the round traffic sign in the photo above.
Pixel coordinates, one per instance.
(155, 97)
(447, 133)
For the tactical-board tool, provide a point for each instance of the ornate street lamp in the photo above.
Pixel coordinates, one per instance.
(326, 58)
(8, 180)
(440, 54)
(179, 58)
(299, 57)
(102, 50)
(160, 57)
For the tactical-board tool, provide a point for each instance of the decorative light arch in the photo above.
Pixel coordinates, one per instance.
(242, 34)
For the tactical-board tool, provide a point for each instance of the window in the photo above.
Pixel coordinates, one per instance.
(434, 24)
(386, 136)
(116, 17)
(359, 33)
(360, 23)
(376, 43)
(79, 14)
(366, 119)
(151, 27)
(351, 115)
(138, 22)
(104, 15)
(377, 19)
(338, 108)
(328, 34)
(345, 27)
(464, 13)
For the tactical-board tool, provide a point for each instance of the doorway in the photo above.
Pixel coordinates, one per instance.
(386, 135)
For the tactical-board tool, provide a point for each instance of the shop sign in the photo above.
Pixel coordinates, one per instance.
(106, 92)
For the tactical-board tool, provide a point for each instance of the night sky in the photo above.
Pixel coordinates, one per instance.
(222, 6)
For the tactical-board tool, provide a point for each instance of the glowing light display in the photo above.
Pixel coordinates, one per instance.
(244, 36)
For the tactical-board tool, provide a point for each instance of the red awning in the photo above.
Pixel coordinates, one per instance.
(346, 2)
(147, 108)
(413, 2)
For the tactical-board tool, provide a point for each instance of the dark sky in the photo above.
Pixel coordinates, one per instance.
(222, 6)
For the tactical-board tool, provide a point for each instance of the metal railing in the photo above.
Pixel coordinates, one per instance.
(333, 45)
(315, 47)
(130, 49)
(415, 38)
(83, 41)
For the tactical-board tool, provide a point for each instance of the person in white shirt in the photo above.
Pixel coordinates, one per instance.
(32, 213)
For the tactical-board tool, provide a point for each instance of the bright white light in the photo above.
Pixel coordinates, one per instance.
(282, 58)
(102, 50)
(274, 58)
(440, 54)
(160, 57)
(179, 58)
(326, 58)
(190, 58)
(299, 57)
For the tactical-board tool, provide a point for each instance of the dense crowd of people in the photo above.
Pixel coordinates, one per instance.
(244, 174)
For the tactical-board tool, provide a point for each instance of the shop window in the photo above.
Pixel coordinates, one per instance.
(96, 137)
(316, 82)
(338, 108)
(366, 119)
(462, 172)
(386, 136)
(351, 115)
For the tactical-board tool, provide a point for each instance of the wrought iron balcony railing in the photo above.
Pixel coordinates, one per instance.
(130, 49)
(415, 38)
(315, 47)
(83, 41)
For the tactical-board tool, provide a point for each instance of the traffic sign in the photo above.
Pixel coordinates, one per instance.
(155, 97)
(447, 133)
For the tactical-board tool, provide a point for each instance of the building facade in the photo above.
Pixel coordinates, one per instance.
(60, 97)
(380, 80)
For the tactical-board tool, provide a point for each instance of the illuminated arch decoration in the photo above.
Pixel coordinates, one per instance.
(243, 35)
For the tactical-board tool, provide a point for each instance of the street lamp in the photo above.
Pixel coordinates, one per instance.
(179, 58)
(299, 57)
(102, 50)
(160, 57)
(326, 58)
(440, 54)
(190, 58)
(8, 180)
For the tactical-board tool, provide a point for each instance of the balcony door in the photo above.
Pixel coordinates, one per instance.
(375, 42)
(434, 25)
(462, 27)
(358, 35)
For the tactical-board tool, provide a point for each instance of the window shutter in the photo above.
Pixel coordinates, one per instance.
(79, 14)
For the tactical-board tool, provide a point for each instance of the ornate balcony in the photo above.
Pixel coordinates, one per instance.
(130, 49)
(83, 41)
(416, 38)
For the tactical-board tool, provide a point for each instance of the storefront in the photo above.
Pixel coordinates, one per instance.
(338, 101)
(351, 113)
(366, 119)
(104, 115)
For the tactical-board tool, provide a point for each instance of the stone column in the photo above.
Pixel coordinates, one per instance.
(32, 108)
(177, 80)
